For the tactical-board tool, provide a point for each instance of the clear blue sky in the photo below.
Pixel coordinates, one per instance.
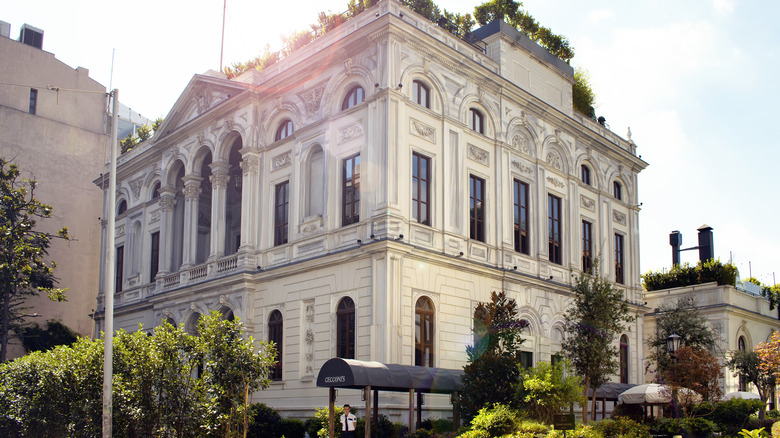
(695, 81)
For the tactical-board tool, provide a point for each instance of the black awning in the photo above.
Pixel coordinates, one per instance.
(357, 374)
(610, 391)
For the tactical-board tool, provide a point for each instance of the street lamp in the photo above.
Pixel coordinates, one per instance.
(672, 345)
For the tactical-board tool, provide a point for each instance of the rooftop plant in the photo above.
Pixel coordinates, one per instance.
(687, 275)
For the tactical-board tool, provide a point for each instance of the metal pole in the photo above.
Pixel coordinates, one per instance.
(222, 44)
(109, 283)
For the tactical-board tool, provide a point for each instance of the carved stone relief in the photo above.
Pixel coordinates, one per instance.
(555, 182)
(619, 217)
(422, 130)
(522, 167)
(554, 160)
(350, 132)
(477, 154)
(280, 161)
(312, 99)
(135, 186)
(521, 143)
(588, 203)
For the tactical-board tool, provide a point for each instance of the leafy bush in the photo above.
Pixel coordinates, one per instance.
(698, 426)
(581, 431)
(773, 414)
(622, 427)
(634, 412)
(733, 415)
(545, 389)
(292, 428)
(439, 425)
(421, 433)
(318, 425)
(755, 423)
(687, 275)
(532, 427)
(776, 429)
(496, 421)
(265, 422)
(385, 428)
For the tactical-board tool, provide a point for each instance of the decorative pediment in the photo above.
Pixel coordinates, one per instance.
(201, 95)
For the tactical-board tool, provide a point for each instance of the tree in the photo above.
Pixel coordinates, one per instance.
(492, 373)
(24, 272)
(546, 389)
(748, 365)
(167, 383)
(595, 318)
(694, 369)
(37, 338)
(582, 95)
(683, 319)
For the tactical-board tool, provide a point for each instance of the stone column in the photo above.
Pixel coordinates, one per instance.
(219, 180)
(167, 202)
(191, 198)
(250, 197)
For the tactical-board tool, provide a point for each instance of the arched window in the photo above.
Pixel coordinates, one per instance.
(275, 325)
(354, 96)
(617, 191)
(345, 329)
(624, 359)
(476, 121)
(742, 346)
(122, 207)
(192, 324)
(156, 191)
(585, 174)
(423, 333)
(285, 130)
(421, 94)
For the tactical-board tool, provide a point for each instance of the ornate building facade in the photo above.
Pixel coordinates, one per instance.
(358, 198)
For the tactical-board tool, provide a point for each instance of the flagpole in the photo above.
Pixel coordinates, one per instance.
(109, 283)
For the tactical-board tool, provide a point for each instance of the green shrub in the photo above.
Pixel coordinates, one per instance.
(318, 425)
(421, 433)
(496, 421)
(292, 428)
(634, 412)
(265, 422)
(773, 414)
(533, 427)
(687, 275)
(438, 426)
(698, 426)
(776, 429)
(581, 431)
(385, 428)
(733, 415)
(622, 427)
(755, 423)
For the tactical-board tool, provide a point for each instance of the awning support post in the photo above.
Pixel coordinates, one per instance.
(411, 410)
(331, 410)
(368, 411)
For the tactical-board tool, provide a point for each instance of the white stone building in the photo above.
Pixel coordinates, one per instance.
(52, 125)
(361, 196)
(739, 316)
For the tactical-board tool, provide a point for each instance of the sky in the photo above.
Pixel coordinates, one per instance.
(694, 80)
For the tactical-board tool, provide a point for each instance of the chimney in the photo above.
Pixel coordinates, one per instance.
(675, 239)
(706, 246)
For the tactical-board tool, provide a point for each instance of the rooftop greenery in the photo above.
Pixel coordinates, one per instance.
(687, 275)
(459, 24)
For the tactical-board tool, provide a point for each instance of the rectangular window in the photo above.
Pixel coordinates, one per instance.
(521, 216)
(421, 189)
(33, 101)
(619, 258)
(350, 190)
(554, 228)
(585, 175)
(617, 190)
(120, 266)
(476, 208)
(526, 359)
(281, 209)
(154, 256)
(587, 247)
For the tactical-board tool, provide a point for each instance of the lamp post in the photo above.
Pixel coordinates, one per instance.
(672, 345)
